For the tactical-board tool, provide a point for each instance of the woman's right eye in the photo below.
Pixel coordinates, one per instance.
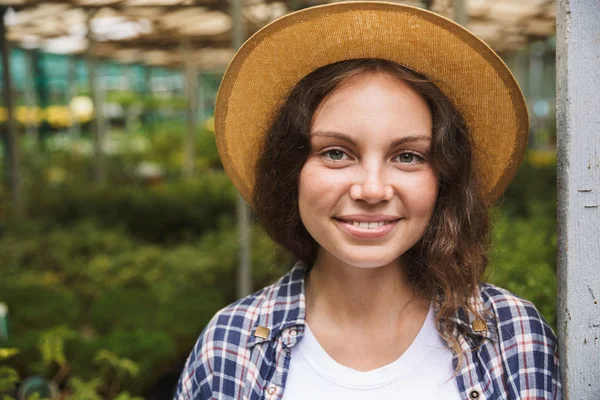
(335, 155)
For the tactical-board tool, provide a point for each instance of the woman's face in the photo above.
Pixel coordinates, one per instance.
(367, 190)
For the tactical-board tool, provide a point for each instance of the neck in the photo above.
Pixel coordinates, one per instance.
(349, 296)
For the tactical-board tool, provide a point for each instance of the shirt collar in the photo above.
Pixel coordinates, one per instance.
(468, 323)
(283, 308)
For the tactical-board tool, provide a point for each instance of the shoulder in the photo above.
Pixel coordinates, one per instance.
(515, 316)
(271, 307)
(526, 347)
(223, 348)
(230, 328)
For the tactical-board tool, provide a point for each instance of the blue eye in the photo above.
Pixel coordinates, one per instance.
(408, 158)
(335, 154)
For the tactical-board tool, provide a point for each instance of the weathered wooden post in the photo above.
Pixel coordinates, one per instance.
(578, 135)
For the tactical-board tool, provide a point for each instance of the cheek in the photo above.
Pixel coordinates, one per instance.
(319, 189)
(420, 193)
(307, 190)
(310, 188)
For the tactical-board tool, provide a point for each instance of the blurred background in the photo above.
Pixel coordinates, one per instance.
(119, 231)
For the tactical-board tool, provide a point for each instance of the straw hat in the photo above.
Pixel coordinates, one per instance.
(466, 70)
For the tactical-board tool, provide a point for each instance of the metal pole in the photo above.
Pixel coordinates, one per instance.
(536, 81)
(148, 93)
(191, 92)
(11, 140)
(30, 97)
(578, 124)
(131, 80)
(461, 14)
(426, 4)
(244, 281)
(74, 128)
(98, 125)
(201, 100)
(3, 321)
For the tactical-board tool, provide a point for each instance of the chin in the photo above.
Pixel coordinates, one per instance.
(367, 261)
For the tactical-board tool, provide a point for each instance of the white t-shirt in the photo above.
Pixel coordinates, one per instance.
(423, 372)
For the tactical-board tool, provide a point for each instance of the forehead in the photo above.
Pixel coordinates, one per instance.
(374, 104)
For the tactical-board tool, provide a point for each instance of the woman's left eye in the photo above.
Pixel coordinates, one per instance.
(408, 158)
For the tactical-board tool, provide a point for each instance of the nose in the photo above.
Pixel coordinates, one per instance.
(372, 188)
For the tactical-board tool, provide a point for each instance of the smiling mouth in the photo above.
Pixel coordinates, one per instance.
(371, 230)
(366, 225)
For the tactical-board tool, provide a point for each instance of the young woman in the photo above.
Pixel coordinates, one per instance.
(370, 138)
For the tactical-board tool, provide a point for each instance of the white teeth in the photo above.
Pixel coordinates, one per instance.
(367, 225)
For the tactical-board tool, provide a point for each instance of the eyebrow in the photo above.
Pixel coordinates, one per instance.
(346, 138)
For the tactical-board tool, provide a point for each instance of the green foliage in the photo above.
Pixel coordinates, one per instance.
(123, 98)
(139, 293)
(9, 378)
(37, 305)
(5, 354)
(127, 396)
(115, 369)
(52, 344)
(168, 213)
(85, 390)
(523, 257)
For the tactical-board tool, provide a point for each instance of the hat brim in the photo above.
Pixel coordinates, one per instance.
(467, 71)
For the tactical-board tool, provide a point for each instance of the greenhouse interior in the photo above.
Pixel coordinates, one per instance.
(119, 230)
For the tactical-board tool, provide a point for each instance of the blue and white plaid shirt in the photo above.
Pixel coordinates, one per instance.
(244, 352)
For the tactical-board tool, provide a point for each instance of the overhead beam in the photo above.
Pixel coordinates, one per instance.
(212, 4)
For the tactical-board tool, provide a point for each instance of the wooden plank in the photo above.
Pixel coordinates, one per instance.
(578, 127)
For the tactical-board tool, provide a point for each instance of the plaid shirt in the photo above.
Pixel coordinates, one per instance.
(244, 352)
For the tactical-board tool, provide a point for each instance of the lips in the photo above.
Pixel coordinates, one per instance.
(368, 217)
(366, 225)
(367, 230)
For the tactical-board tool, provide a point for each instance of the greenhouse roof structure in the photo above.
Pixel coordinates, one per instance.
(153, 31)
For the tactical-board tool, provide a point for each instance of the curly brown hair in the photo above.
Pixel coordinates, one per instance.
(448, 263)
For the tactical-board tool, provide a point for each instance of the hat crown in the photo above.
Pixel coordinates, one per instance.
(466, 70)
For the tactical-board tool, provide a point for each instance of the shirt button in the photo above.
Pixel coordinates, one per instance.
(293, 332)
(272, 390)
(474, 395)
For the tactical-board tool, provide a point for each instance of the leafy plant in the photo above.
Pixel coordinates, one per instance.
(115, 369)
(9, 377)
